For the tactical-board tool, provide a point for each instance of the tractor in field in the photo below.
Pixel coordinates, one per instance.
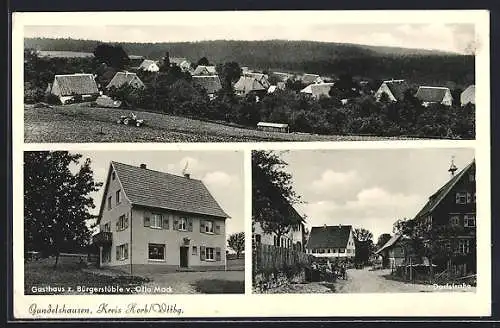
(130, 120)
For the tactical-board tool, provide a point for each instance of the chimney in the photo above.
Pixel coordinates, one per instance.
(453, 167)
(324, 226)
(187, 175)
(143, 166)
(340, 225)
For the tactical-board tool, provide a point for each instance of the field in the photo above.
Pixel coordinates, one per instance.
(82, 123)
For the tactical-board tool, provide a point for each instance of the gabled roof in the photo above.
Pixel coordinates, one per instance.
(309, 78)
(211, 83)
(248, 84)
(283, 76)
(436, 198)
(318, 89)
(431, 94)
(177, 60)
(76, 84)
(149, 188)
(123, 78)
(146, 63)
(329, 236)
(468, 95)
(397, 88)
(389, 243)
(204, 70)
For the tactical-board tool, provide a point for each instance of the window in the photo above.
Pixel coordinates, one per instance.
(122, 223)
(461, 197)
(156, 252)
(472, 177)
(182, 224)
(107, 227)
(209, 227)
(156, 221)
(274, 240)
(454, 219)
(257, 239)
(106, 255)
(122, 252)
(469, 220)
(348, 250)
(118, 198)
(195, 250)
(469, 198)
(334, 250)
(109, 202)
(464, 246)
(113, 175)
(341, 250)
(209, 254)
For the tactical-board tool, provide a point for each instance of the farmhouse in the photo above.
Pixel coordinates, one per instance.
(451, 213)
(135, 60)
(249, 85)
(125, 78)
(210, 83)
(149, 66)
(393, 89)
(311, 78)
(318, 90)
(260, 77)
(152, 221)
(468, 96)
(434, 95)
(395, 251)
(183, 63)
(331, 242)
(74, 87)
(205, 70)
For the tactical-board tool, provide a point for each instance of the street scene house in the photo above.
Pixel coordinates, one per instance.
(72, 87)
(331, 242)
(434, 95)
(152, 221)
(393, 89)
(125, 78)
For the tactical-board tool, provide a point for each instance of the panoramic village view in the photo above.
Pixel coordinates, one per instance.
(78, 88)
(133, 223)
(364, 221)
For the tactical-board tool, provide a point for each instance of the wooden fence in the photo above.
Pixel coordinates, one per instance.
(269, 257)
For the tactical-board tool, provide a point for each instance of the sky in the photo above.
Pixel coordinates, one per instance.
(225, 182)
(436, 36)
(369, 188)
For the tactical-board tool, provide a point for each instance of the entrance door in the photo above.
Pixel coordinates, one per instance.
(184, 257)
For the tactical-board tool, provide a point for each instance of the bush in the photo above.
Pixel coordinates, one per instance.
(53, 99)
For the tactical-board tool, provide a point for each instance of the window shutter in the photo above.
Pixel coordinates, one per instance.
(202, 226)
(176, 224)
(469, 198)
(126, 251)
(217, 229)
(217, 254)
(117, 252)
(190, 224)
(202, 253)
(118, 225)
(147, 221)
(165, 223)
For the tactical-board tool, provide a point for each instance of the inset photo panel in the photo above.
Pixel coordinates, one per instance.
(364, 221)
(133, 222)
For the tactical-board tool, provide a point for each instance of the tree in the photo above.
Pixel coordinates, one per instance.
(57, 201)
(361, 234)
(203, 61)
(236, 242)
(364, 244)
(111, 55)
(383, 239)
(273, 194)
(229, 72)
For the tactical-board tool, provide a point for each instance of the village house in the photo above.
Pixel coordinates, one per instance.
(74, 87)
(205, 70)
(135, 60)
(183, 63)
(274, 88)
(260, 77)
(149, 66)
(395, 252)
(468, 96)
(331, 242)
(283, 77)
(393, 89)
(211, 84)
(152, 221)
(311, 78)
(434, 95)
(453, 207)
(318, 90)
(247, 85)
(125, 78)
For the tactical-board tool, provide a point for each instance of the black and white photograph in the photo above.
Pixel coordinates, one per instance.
(243, 81)
(364, 221)
(133, 222)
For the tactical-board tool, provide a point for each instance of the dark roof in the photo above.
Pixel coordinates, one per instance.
(431, 94)
(156, 189)
(211, 83)
(76, 84)
(329, 236)
(439, 195)
(122, 78)
(398, 88)
(389, 243)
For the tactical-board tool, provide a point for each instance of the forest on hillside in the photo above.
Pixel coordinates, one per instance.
(330, 59)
